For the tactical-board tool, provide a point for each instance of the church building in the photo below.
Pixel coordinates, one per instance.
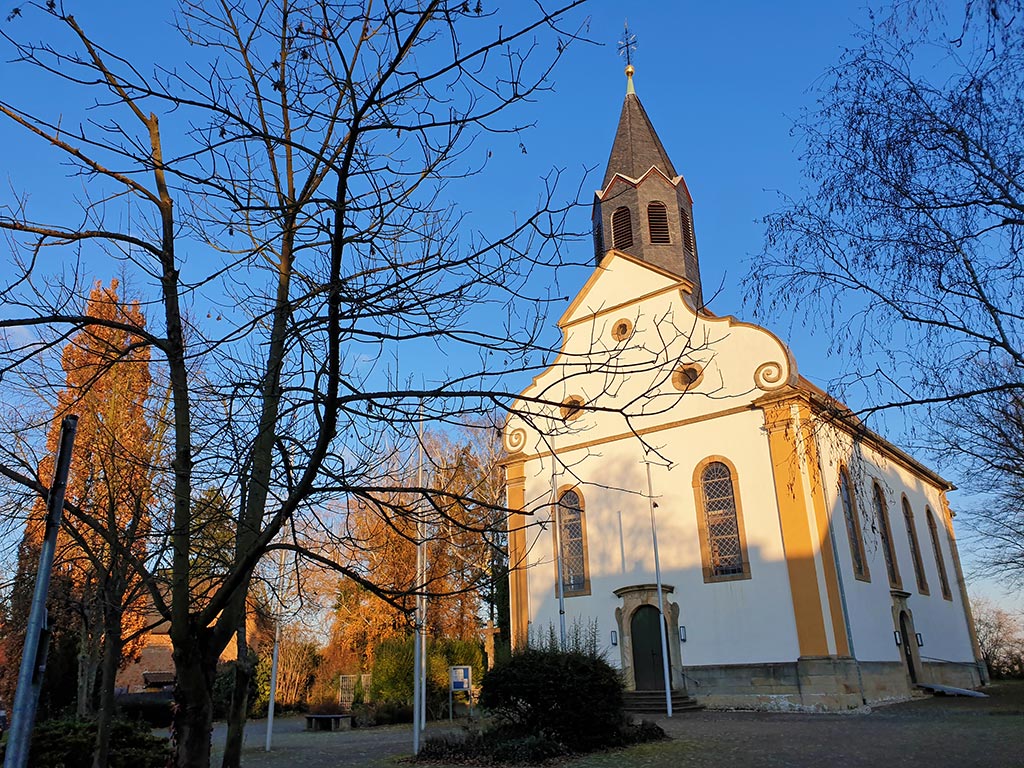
(804, 562)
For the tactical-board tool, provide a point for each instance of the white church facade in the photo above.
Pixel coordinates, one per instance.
(805, 562)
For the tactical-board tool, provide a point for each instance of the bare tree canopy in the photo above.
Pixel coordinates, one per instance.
(907, 242)
(284, 200)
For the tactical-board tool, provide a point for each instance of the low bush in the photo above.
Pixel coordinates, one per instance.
(642, 732)
(498, 746)
(572, 697)
(151, 707)
(69, 743)
(368, 715)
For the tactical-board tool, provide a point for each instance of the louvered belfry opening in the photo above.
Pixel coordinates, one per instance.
(657, 223)
(622, 229)
(686, 225)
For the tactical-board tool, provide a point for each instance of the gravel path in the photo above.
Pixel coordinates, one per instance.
(933, 732)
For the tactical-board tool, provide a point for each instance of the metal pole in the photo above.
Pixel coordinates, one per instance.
(419, 680)
(417, 653)
(558, 548)
(423, 596)
(37, 633)
(661, 599)
(273, 683)
(277, 645)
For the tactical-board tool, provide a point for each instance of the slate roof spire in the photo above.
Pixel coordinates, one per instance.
(636, 148)
(644, 207)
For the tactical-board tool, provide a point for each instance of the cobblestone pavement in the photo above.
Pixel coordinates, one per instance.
(933, 732)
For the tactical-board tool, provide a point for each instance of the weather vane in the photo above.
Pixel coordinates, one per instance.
(627, 45)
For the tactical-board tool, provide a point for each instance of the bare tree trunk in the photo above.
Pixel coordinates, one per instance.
(239, 701)
(87, 666)
(193, 698)
(112, 647)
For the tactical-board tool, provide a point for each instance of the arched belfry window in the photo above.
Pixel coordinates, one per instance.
(622, 228)
(723, 544)
(885, 533)
(915, 548)
(657, 223)
(940, 562)
(572, 538)
(853, 532)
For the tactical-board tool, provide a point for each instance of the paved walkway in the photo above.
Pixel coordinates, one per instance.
(929, 733)
(294, 747)
(934, 732)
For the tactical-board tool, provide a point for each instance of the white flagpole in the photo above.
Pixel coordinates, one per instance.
(661, 599)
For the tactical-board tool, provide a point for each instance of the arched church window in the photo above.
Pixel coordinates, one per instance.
(720, 524)
(622, 228)
(915, 549)
(657, 223)
(572, 540)
(885, 533)
(853, 532)
(940, 563)
(686, 225)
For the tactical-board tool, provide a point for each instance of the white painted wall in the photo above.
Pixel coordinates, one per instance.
(942, 623)
(745, 621)
(720, 618)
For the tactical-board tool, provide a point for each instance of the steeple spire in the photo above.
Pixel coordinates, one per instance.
(643, 207)
(636, 148)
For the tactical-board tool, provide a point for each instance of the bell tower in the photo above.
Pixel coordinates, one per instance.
(643, 207)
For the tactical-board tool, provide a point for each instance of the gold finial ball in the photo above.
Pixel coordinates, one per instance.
(629, 70)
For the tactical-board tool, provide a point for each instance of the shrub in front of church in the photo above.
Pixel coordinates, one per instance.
(490, 747)
(571, 698)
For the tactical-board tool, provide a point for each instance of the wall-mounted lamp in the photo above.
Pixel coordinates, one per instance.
(682, 634)
(615, 637)
(898, 636)
(920, 640)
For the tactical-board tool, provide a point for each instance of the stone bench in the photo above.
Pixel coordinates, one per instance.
(328, 722)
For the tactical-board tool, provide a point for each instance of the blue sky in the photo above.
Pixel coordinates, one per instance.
(722, 83)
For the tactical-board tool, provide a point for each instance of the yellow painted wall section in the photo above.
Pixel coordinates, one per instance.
(515, 479)
(794, 510)
(824, 522)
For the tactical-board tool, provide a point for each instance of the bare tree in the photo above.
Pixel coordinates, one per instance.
(290, 180)
(1001, 637)
(908, 239)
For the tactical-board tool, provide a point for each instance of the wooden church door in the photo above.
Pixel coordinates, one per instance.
(908, 636)
(648, 664)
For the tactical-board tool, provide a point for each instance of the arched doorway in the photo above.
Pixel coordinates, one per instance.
(908, 636)
(648, 662)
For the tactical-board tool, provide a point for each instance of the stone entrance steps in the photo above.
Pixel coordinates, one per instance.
(653, 702)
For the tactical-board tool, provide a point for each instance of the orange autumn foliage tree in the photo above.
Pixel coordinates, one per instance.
(100, 596)
(381, 531)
